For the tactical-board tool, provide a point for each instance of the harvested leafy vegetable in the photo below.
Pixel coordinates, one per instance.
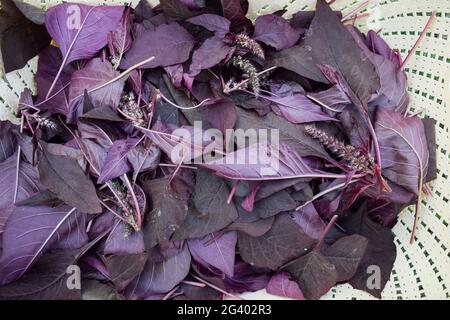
(183, 152)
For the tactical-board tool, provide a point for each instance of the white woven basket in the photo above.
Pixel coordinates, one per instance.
(422, 270)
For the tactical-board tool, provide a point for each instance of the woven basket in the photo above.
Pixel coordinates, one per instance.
(422, 269)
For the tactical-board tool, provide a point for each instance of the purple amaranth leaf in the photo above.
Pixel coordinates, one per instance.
(215, 250)
(29, 232)
(169, 43)
(8, 141)
(21, 38)
(314, 273)
(76, 236)
(333, 98)
(275, 31)
(281, 285)
(123, 269)
(50, 60)
(28, 184)
(116, 163)
(310, 222)
(283, 242)
(63, 176)
(47, 280)
(215, 23)
(253, 229)
(209, 54)
(95, 74)
(346, 254)
(176, 10)
(124, 241)
(377, 45)
(263, 162)
(402, 140)
(393, 81)
(328, 42)
(299, 109)
(168, 211)
(210, 212)
(290, 134)
(81, 30)
(160, 276)
(381, 250)
(119, 41)
(232, 10)
(221, 114)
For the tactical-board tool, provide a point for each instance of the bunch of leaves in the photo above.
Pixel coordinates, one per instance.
(89, 177)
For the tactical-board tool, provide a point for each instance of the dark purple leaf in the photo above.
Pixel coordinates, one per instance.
(43, 198)
(50, 60)
(176, 10)
(346, 254)
(160, 277)
(210, 53)
(430, 132)
(47, 280)
(328, 42)
(81, 30)
(314, 273)
(275, 31)
(144, 157)
(8, 141)
(212, 22)
(281, 285)
(103, 113)
(284, 241)
(381, 250)
(123, 269)
(97, 290)
(168, 213)
(254, 229)
(29, 232)
(63, 176)
(404, 148)
(20, 38)
(233, 11)
(290, 134)
(169, 43)
(274, 204)
(215, 250)
(210, 211)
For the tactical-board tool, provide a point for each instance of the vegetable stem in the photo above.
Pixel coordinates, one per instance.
(324, 233)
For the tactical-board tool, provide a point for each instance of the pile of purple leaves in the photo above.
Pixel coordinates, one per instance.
(88, 183)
